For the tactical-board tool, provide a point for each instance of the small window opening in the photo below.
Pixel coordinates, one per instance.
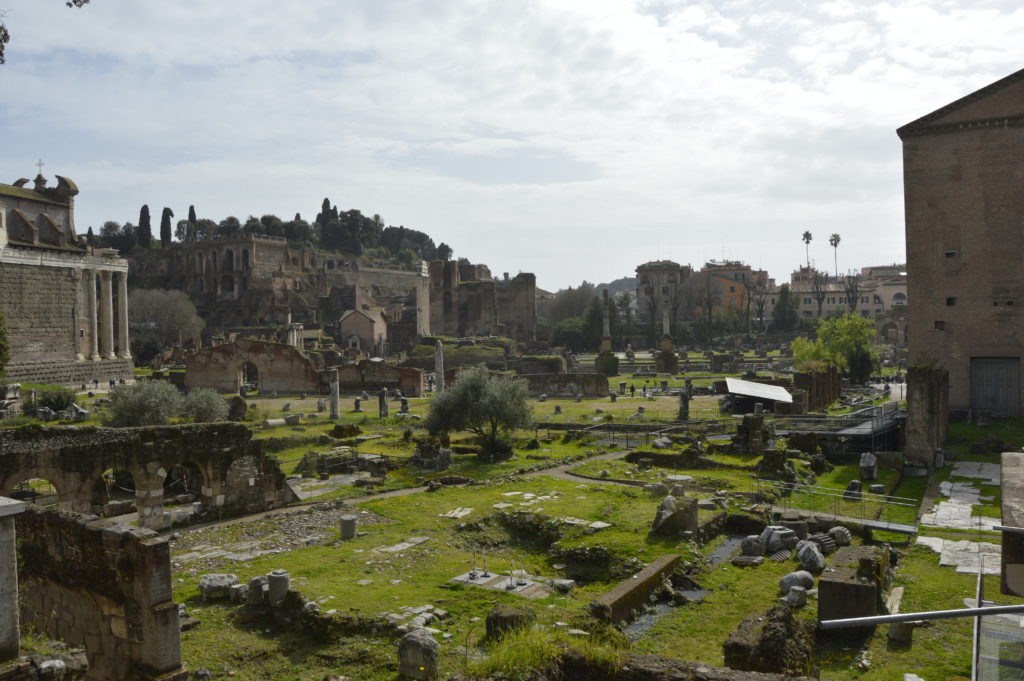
(950, 254)
(940, 326)
(950, 302)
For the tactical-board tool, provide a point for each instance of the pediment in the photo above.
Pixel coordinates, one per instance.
(1000, 101)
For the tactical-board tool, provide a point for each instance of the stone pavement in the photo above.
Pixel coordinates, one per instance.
(957, 511)
(965, 555)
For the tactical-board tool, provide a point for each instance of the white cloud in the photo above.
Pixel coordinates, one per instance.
(540, 135)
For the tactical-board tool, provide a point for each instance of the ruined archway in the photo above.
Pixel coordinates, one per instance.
(250, 377)
(113, 493)
(229, 261)
(39, 491)
(183, 480)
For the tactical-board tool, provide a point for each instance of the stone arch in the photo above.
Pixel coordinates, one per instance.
(899, 298)
(246, 263)
(35, 488)
(211, 262)
(249, 375)
(890, 332)
(114, 492)
(229, 260)
(227, 284)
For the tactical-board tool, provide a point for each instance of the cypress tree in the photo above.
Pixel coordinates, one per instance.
(165, 226)
(145, 232)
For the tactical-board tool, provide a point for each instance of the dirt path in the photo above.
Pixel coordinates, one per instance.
(560, 472)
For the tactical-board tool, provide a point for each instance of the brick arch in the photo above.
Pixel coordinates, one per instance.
(281, 367)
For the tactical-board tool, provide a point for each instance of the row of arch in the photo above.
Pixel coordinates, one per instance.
(151, 490)
(214, 262)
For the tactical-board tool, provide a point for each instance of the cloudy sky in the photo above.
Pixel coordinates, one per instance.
(570, 138)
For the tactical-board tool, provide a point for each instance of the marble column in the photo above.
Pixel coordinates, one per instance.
(94, 333)
(106, 316)
(10, 638)
(122, 315)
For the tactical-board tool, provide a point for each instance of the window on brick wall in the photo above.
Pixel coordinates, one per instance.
(939, 326)
(951, 301)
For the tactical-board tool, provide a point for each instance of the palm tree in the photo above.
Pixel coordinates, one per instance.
(833, 241)
(807, 247)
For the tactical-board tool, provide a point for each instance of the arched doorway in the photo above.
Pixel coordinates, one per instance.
(113, 493)
(183, 480)
(38, 491)
(250, 377)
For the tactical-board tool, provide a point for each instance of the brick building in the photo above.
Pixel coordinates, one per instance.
(962, 171)
(65, 303)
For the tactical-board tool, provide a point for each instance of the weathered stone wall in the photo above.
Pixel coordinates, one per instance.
(927, 412)
(567, 384)
(40, 305)
(372, 376)
(235, 475)
(104, 587)
(822, 388)
(69, 372)
(281, 367)
(964, 208)
(1011, 581)
(631, 595)
(517, 306)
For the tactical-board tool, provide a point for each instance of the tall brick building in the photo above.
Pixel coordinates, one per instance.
(65, 303)
(964, 193)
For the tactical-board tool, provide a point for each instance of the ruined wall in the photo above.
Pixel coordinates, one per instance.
(567, 385)
(280, 367)
(235, 476)
(927, 412)
(822, 388)
(517, 306)
(372, 376)
(105, 588)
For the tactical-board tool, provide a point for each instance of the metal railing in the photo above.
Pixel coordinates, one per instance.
(863, 506)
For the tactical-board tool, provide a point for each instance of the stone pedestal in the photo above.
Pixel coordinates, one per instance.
(280, 580)
(10, 639)
(348, 527)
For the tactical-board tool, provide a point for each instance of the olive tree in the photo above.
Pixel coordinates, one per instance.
(485, 405)
(147, 403)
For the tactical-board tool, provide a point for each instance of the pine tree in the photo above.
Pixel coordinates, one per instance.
(90, 238)
(192, 224)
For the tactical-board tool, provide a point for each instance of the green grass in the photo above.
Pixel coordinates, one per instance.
(697, 631)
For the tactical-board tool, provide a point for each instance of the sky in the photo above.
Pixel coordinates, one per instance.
(575, 139)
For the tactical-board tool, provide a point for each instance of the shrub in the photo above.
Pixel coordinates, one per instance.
(147, 403)
(57, 399)
(203, 405)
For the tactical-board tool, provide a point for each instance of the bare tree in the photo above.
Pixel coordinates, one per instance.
(852, 286)
(162, 318)
(706, 293)
(758, 298)
(819, 288)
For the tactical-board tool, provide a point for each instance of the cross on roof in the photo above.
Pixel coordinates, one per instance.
(40, 165)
